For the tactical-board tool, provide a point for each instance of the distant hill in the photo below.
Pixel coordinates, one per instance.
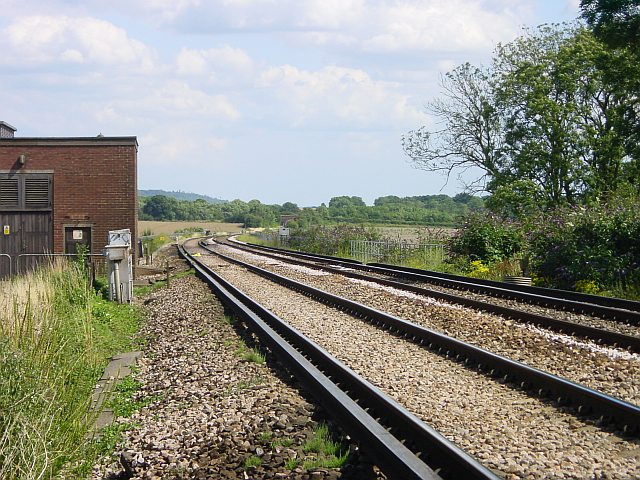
(180, 195)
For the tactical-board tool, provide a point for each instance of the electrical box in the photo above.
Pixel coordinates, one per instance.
(120, 265)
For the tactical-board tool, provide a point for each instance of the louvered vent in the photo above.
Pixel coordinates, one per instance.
(9, 192)
(36, 192)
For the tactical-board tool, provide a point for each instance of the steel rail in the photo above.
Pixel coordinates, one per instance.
(563, 326)
(548, 298)
(352, 400)
(583, 400)
(613, 302)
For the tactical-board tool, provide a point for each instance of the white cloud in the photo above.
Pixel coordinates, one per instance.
(440, 25)
(225, 63)
(52, 39)
(174, 101)
(372, 25)
(366, 25)
(336, 93)
(181, 145)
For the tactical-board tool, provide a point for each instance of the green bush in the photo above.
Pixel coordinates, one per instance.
(588, 249)
(487, 237)
(330, 240)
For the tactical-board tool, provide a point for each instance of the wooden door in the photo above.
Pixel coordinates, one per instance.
(26, 237)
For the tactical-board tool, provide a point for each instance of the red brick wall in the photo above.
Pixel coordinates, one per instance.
(94, 182)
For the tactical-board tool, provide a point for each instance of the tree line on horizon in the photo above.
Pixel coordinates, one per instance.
(432, 210)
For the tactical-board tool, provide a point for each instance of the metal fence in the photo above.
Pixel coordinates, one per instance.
(396, 252)
(26, 262)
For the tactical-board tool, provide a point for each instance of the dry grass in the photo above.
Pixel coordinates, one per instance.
(31, 293)
(168, 228)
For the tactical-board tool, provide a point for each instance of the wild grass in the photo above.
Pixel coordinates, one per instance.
(250, 354)
(124, 401)
(52, 351)
(327, 452)
(252, 462)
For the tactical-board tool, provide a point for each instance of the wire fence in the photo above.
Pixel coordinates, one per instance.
(397, 252)
(26, 262)
(368, 251)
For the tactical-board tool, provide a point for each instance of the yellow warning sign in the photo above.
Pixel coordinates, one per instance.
(7, 229)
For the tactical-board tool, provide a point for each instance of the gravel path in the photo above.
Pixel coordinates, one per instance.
(610, 370)
(512, 433)
(214, 410)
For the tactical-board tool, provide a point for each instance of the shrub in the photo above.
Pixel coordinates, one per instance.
(487, 237)
(588, 249)
(330, 240)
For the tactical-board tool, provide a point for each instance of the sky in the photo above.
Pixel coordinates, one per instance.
(275, 100)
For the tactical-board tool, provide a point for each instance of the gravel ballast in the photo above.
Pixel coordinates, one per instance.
(578, 318)
(518, 436)
(613, 371)
(214, 412)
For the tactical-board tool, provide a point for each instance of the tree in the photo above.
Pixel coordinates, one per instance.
(471, 133)
(616, 22)
(160, 207)
(346, 201)
(544, 121)
(289, 208)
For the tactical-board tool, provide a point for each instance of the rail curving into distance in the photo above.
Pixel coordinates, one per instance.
(582, 400)
(627, 311)
(400, 443)
(601, 336)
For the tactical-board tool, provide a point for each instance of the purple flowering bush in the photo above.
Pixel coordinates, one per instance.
(598, 245)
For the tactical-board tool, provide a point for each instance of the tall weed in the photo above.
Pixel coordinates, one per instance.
(49, 364)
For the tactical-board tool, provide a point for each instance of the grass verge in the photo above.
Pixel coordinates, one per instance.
(56, 335)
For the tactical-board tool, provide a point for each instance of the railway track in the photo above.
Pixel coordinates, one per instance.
(621, 310)
(603, 332)
(329, 381)
(447, 349)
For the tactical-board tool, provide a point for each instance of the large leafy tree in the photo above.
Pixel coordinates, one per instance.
(469, 132)
(543, 123)
(616, 22)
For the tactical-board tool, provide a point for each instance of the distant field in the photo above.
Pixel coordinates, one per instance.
(167, 228)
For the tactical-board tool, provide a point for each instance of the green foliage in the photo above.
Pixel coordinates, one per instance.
(53, 347)
(327, 452)
(589, 249)
(250, 354)
(419, 210)
(487, 237)
(552, 121)
(114, 325)
(330, 240)
(252, 462)
(125, 402)
(109, 437)
(285, 442)
(616, 22)
(152, 244)
(292, 463)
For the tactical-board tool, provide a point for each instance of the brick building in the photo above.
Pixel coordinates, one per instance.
(57, 193)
